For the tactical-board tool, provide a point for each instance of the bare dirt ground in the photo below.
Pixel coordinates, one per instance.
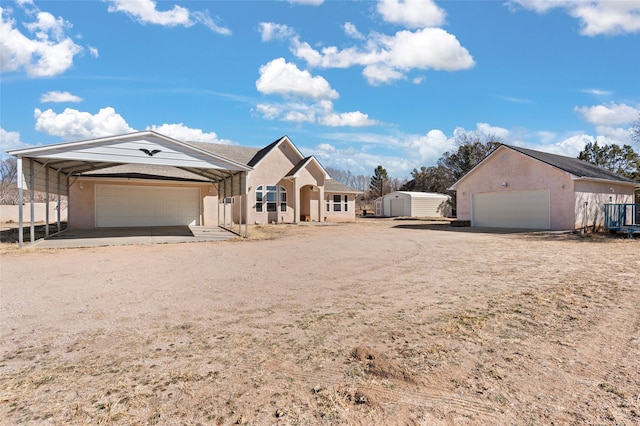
(377, 322)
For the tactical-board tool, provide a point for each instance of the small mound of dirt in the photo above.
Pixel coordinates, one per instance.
(378, 365)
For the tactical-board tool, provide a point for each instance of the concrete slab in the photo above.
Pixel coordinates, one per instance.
(135, 235)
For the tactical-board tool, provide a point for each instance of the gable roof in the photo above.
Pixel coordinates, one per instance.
(302, 164)
(580, 169)
(245, 155)
(331, 185)
(134, 149)
(240, 154)
(574, 166)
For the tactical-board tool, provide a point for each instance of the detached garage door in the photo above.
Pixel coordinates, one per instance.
(514, 209)
(124, 205)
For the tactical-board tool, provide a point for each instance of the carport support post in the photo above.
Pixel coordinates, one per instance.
(246, 207)
(20, 204)
(68, 202)
(58, 178)
(46, 209)
(32, 201)
(224, 204)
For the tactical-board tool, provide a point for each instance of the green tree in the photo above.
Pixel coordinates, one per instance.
(379, 184)
(473, 147)
(623, 161)
(428, 179)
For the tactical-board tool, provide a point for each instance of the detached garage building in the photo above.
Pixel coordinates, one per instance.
(413, 204)
(521, 188)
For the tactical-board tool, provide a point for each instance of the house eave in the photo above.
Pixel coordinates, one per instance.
(609, 181)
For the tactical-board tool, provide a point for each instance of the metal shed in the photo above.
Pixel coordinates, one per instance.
(413, 204)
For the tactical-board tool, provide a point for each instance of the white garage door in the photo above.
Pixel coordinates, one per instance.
(124, 205)
(512, 209)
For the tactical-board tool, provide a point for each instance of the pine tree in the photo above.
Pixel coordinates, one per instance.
(379, 182)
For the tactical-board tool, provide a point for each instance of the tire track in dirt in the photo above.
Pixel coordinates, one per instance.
(337, 379)
(602, 352)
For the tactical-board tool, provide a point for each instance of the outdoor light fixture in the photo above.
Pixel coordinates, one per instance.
(81, 185)
(504, 184)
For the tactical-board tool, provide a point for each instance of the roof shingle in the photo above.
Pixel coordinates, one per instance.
(571, 165)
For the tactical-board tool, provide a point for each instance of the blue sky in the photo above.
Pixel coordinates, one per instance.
(354, 83)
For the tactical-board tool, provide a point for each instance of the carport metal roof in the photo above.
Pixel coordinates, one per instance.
(69, 160)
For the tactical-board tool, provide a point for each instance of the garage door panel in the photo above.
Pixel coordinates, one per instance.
(512, 209)
(122, 206)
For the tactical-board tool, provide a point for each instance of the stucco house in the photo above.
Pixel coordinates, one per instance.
(148, 179)
(515, 187)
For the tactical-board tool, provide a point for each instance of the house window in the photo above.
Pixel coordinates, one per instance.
(328, 203)
(346, 203)
(271, 197)
(337, 203)
(268, 196)
(259, 198)
(283, 199)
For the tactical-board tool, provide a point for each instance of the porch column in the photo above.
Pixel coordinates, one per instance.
(296, 201)
(322, 205)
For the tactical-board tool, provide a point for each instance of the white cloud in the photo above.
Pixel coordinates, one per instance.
(307, 2)
(145, 12)
(73, 124)
(272, 31)
(611, 114)
(320, 112)
(618, 135)
(597, 17)
(269, 112)
(59, 97)
(186, 134)
(93, 51)
(352, 31)
(569, 147)
(412, 13)
(351, 119)
(10, 140)
(360, 161)
(597, 92)
(49, 53)
(429, 147)
(285, 79)
(488, 129)
(388, 58)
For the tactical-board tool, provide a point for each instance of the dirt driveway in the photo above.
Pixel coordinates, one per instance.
(366, 323)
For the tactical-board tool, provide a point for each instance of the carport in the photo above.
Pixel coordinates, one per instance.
(54, 169)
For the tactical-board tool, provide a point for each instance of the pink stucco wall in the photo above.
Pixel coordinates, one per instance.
(342, 216)
(590, 198)
(82, 214)
(270, 171)
(520, 173)
(574, 204)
